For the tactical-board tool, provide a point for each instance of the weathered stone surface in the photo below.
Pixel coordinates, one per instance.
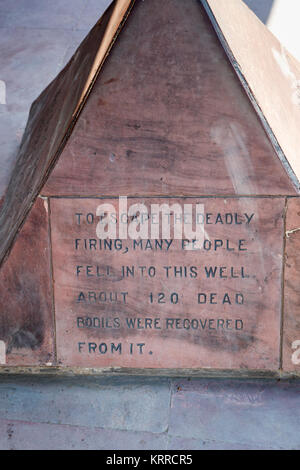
(217, 307)
(185, 128)
(40, 435)
(169, 117)
(26, 318)
(291, 318)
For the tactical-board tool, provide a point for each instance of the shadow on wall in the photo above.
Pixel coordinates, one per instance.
(262, 8)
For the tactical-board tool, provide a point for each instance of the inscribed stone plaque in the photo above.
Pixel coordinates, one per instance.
(165, 301)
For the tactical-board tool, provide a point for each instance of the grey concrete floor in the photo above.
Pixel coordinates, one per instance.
(36, 39)
(143, 413)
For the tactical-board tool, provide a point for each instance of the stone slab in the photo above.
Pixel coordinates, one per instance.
(26, 310)
(128, 404)
(16, 435)
(135, 304)
(261, 414)
(291, 323)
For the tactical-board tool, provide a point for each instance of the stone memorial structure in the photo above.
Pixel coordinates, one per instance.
(151, 224)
